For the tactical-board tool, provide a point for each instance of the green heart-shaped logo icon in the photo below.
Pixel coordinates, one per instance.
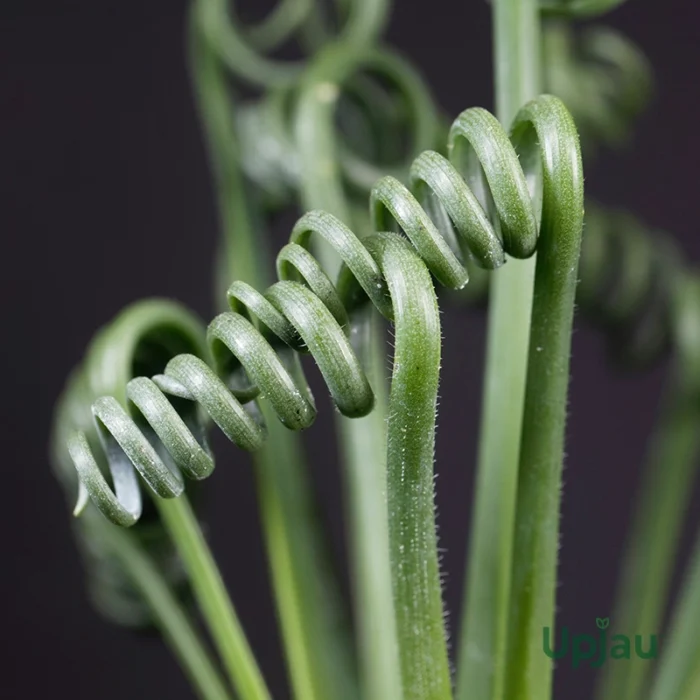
(602, 622)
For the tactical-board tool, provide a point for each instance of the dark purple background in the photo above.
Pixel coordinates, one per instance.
(106, 198)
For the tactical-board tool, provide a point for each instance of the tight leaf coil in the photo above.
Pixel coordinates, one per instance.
(602, 77)
(142, 337)
(477, 204)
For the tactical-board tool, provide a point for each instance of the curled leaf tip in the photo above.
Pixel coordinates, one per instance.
(81, 503)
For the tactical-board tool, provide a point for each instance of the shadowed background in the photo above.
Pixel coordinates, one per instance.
(105, 198)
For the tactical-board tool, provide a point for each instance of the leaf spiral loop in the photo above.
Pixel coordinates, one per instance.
(482, 202)
(602, 77)
(630, 280)
(244, 50)
(143, 336)
(385, 115)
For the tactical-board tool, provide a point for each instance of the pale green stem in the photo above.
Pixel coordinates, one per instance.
(315, 638)
(664, 497)
(679, 671)
(363, 441)
(535, 546)
(651, 553)
(212, 598)
(171, 619)
(314, 625)
(485, 615)
(425, 672)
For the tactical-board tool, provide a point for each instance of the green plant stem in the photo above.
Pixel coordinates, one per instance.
(315, 633)
(536, 530)
(212, 598)
(174, 623)
(315, 639)
(363, 441)
(485, 613)
(662, 503)
(240, 250)
(410, 454)
(651, 552)
(679, 671)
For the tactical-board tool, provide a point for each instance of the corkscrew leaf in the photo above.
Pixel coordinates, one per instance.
(142, 339)
(377, 109)
(281, 23)
(627, 290)
(483, 208)
(364, 23)
(602, 77)
(375, 80)
(363, 441)
(544, 129)
(238, 347)
(322, 158)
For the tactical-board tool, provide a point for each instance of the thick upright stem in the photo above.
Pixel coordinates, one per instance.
(410, 452)
(485, 616)
(536, 530)
(516, 55)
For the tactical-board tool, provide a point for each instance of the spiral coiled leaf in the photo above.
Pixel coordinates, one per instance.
(477, 204)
